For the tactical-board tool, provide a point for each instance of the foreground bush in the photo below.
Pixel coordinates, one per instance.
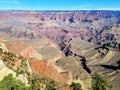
(10, 83)
(100, 82)
(75, 86)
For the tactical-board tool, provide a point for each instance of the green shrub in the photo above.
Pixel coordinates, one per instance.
(100, 82)
(10, 83)
(75, 86)
(50, 86)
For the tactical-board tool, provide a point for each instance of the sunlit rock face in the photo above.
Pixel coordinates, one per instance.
(46, 69)
(65, 46)
(59, 25)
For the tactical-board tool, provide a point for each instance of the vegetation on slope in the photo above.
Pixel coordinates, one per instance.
(100, 82)
(14, 62)
(37, 83)
(11, 83)
(19, 65)
(76, 86)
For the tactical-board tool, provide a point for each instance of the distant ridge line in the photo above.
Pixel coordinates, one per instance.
(58, 10)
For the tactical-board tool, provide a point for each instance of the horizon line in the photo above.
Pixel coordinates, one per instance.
(59, 10)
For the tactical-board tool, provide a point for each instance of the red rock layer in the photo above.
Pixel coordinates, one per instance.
(45, 69)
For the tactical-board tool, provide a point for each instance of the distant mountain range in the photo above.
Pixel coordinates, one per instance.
(63, 46)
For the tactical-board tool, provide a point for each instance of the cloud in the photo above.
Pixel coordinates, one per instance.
(10, 1)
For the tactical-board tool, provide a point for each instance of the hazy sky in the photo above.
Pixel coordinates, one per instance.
(59, 4)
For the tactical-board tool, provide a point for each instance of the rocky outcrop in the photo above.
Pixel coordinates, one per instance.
(23, 50)
(3, 46)
(30, 52)
(73, 65)
(46, 69)
(15, 46)
(4, 71)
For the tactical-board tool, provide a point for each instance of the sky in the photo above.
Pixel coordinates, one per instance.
(59, 4)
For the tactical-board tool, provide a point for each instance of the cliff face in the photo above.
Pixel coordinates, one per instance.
(85, 59)
(62, 45)
(87, 25)
(46, 69)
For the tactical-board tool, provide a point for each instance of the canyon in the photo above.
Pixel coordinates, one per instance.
(64, 46)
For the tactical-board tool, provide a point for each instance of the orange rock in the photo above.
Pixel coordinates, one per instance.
(15, 46)
(1, 39)
(27, 52)
(19, 48)
(45, 69)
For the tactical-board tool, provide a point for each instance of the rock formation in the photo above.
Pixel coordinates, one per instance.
(63, 46)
